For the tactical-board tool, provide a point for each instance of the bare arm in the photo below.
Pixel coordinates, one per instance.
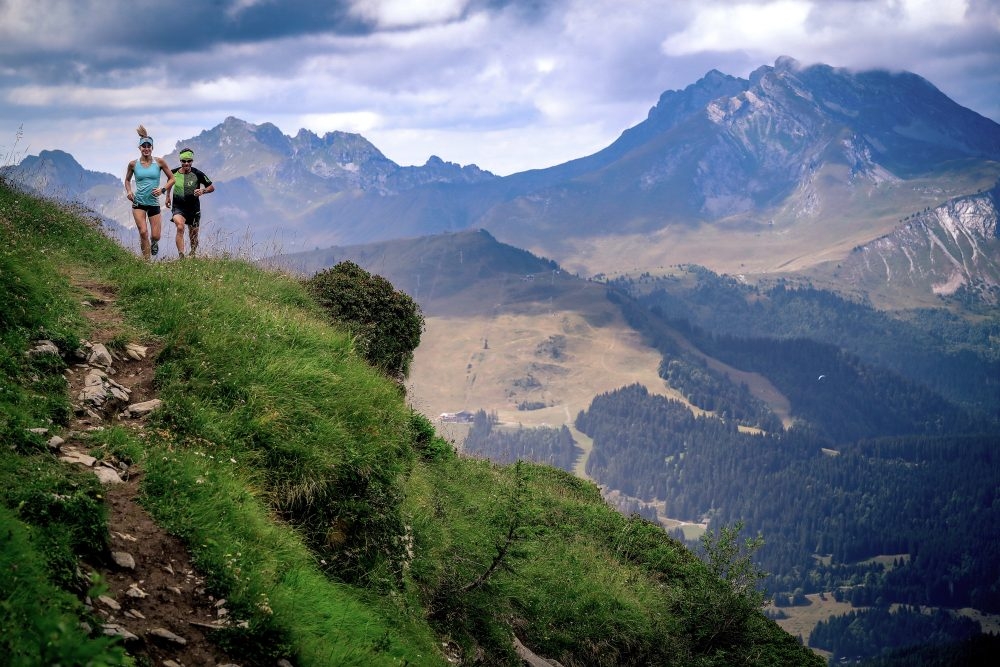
(128, 180)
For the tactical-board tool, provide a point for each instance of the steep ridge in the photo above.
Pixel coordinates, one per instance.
(951, 251)
(57, 175)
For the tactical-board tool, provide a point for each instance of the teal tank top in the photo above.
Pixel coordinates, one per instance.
(147, 179)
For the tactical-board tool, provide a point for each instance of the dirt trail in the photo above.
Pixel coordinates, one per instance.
(155, 598)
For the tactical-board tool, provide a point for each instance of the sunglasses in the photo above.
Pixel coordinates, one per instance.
(186, 161)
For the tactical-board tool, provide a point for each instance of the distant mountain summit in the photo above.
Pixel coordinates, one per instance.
(57, 175)
(335, 162)
(741, 150)
(314, 189)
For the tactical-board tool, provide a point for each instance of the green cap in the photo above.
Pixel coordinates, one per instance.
(187, 155)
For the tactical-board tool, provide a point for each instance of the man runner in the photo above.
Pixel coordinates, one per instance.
(189, 185)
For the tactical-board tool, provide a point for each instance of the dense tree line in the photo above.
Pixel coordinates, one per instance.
(688, 373)
(841, 364)
(553, 446)
(953, 356)
(893, 451)
(935, 499)
(839, 394)
(979, 651)
(711, 391)
(834, 389)
(879, 631)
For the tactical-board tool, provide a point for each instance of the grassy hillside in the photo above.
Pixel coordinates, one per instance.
(514, 334)
(312, 498)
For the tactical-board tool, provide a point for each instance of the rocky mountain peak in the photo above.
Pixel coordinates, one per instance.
(57, 175)
(468, 173)
(266, 133)
(306, 141)
(60, 160)
(341, 155)
(674, 106)
(787, 64)
(236, 148)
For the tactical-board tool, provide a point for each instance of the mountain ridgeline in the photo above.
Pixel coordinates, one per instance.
(949, 251)
(742, 150)
(57, 175)
(788, 169)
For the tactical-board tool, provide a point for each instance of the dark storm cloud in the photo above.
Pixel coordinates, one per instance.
(506, 84)
(106, 42)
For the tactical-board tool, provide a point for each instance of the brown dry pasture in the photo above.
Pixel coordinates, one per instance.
(497, 362)
(554, 355)
(550, 342)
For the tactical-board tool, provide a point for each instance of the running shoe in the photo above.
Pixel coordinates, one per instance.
(154, 248)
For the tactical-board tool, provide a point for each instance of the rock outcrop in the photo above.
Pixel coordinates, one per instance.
(952, 251)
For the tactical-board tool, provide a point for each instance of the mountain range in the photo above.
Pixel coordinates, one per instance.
(790, 170)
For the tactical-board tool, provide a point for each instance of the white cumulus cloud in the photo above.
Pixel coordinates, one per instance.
(407, 13)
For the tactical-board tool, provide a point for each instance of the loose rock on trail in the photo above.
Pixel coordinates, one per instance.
(155, 598)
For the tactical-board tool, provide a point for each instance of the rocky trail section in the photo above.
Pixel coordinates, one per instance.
(154, 599)
(153, 596)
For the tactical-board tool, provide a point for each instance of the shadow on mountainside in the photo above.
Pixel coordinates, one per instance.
(154, 598)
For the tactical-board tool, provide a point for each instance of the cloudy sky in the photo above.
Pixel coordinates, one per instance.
(509, 85)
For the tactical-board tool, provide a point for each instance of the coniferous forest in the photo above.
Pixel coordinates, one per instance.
(553, 446)
(893, 450)
(880, 632)
(930, 499)
(883, 489)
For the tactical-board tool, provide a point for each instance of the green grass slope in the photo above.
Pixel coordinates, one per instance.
(311, 496)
